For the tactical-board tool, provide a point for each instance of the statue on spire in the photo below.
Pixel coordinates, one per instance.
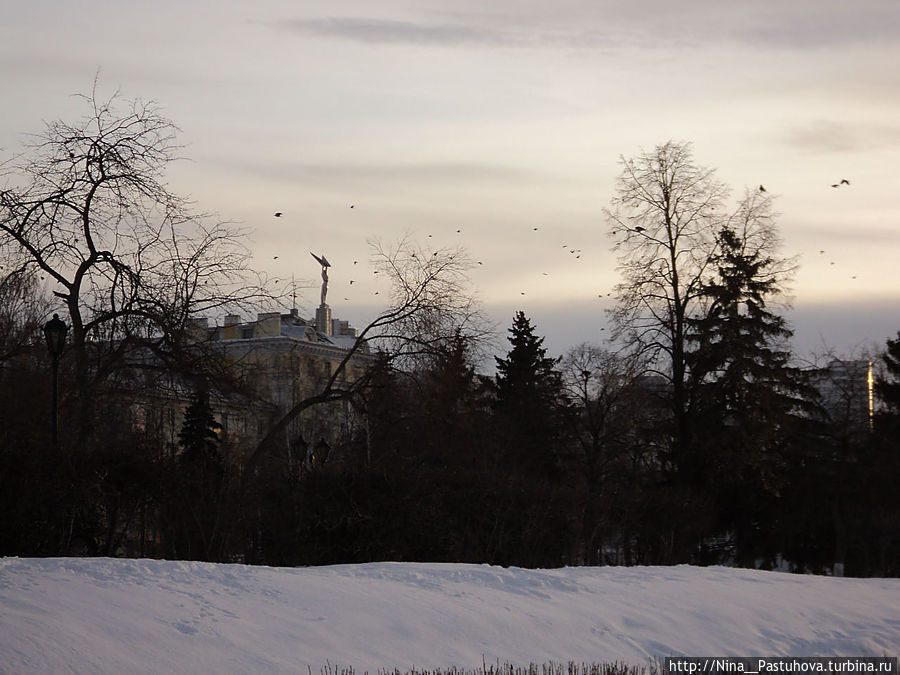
(323, 261)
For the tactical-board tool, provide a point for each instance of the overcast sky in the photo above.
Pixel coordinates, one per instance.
(495, 119)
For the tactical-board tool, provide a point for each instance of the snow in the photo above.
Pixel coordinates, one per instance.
(80, 615)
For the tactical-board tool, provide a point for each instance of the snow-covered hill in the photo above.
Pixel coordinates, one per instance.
(146, 616)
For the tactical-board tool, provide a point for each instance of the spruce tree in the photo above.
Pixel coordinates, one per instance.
(529, 394)
(198, 437)
(744, 390)
(888, 385)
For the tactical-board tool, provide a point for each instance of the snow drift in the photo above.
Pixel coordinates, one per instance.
(149, 616)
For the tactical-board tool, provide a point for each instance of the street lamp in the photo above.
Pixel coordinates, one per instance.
(55, 332)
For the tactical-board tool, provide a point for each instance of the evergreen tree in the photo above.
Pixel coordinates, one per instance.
(529, 394)
(888, 385)
(194, 511)
(744, 390)
(198, 436)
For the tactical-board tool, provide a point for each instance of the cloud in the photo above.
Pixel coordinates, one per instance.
(857, 235)
(801, 24)
(388, 31)
(396, 173)
(834, 136)
(817, 26)
(843, 327)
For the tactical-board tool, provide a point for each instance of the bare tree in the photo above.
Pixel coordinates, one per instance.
(601, 385)
(430, 307)
(88, 206)
(754, 224)
(664, 218)
(23, 307)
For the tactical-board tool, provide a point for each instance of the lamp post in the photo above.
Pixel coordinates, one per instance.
(55, 332)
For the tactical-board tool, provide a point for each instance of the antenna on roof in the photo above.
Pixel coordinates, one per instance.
(293, 293)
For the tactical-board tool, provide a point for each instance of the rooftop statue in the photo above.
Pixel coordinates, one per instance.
(323, 261)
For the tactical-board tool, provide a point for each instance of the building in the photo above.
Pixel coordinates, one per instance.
(272, 363)
(846, 391)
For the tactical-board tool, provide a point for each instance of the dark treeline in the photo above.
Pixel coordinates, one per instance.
(551, 462)
(691, 437)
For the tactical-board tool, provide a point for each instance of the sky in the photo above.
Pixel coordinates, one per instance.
(102, 615)
(494, 119)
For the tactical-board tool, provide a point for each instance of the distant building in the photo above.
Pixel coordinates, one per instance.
(279, 361)
(846, 390)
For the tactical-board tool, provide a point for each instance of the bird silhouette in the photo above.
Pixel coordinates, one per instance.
(351, 282)
(844, 181)
(535, 229)
(639, 229)
(278, 214)
(351, 206)
(458, 231)
(275, 257)
(762, 189)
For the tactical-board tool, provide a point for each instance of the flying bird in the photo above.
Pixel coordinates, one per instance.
(535, 229)
(639, 229)
(844, 181)
(351, 206)
(351, 282)
(278, 214)
(762, 189)
(275, 257)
